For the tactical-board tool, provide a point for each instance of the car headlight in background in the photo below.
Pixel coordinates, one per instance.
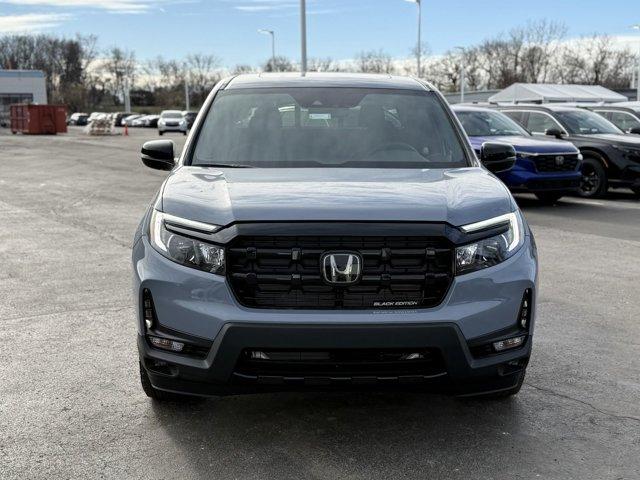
(493, 250)
(629, 152)
(182, 249)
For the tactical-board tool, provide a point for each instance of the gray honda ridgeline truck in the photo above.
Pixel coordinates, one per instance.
(331, 231)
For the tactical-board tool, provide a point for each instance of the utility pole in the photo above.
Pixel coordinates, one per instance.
(186, 91)
(127, 96)
(637, 27)
(273, 46)
(462, 73)
(303, 37)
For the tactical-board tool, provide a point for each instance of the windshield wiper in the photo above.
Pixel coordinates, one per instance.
(225, 165)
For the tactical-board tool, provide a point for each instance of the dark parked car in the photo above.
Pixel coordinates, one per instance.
(146, 121)
(625, 115)
(190, 117)
(611, 158)
(128, 121)
(356, 243)
(547, 167)
(151, 121)
(78, 118)
(120, 116)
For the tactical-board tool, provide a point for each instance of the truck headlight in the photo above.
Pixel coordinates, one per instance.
(182, 249)
(493, 250)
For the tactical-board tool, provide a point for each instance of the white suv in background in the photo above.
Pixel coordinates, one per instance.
(172, 121)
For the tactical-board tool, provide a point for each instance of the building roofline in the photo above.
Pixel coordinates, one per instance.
(22, 73)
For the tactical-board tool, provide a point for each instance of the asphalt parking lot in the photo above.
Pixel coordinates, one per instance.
(71, 405)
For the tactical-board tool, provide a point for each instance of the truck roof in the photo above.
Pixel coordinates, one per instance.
(315, 79)
(546, 107)
(462, 107)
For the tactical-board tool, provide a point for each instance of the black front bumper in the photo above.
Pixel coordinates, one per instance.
(547, 185)
(217, 373)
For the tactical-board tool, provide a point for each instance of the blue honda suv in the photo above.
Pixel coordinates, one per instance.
(547, 168)
(332, 231)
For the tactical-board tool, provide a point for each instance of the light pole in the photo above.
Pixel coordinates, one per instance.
(127, 96)
(637, 27)
(303, 37)
(462, 73)
(273, 46)
(419, 48)
(186, 92)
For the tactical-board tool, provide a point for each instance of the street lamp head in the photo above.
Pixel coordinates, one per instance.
(414, 1)
(265, 31)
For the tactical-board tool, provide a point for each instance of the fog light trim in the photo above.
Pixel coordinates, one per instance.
(509, 343)
(524, 315)
(148, 310)
(166, 344)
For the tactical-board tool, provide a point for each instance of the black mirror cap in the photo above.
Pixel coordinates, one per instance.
(635, 130)
(554, 132)
(498, 157)
(158, 154)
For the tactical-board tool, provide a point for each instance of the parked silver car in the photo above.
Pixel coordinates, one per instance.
(172, 121)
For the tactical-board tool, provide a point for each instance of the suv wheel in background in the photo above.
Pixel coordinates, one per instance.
(594, 183)
(549, 198)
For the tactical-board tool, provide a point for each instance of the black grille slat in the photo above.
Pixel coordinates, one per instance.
(548, 163)
(285, 272)
(341, 363)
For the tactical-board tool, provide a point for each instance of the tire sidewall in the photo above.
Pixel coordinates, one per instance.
(595, 162)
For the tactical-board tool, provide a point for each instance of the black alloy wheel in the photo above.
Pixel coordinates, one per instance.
(594, 179)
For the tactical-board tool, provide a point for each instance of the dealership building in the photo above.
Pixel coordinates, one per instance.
(21, 86)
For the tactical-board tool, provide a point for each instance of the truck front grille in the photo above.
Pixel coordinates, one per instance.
(552, 163)
(285, 272)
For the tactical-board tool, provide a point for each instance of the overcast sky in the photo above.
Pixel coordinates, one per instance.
(336, 28)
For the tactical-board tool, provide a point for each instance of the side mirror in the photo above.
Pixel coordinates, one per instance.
(158, 154)
(635, 130)
(554, 132)
(497, 157)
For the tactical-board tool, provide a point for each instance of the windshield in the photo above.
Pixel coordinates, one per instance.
(489, 124)
(583, 122)
(171, 115)
(328, 127)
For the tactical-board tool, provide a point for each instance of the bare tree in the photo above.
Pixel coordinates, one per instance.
(282, 64)
(473, 68)
(323, 65)
(595, 61)
(374, 62)
(238, 69)
(543, 41)
(203, 73)
(120, 66)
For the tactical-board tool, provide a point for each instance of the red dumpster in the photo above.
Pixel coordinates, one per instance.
(38, 119)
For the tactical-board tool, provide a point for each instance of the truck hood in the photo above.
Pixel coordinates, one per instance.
(223, 196)
(524, 144)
